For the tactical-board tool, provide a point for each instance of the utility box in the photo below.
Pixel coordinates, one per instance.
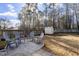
(49, 30)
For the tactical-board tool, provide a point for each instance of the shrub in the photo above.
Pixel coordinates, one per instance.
(2, 44)
(11, 35)
(1, 32)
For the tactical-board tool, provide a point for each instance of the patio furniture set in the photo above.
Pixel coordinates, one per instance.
(15, 42)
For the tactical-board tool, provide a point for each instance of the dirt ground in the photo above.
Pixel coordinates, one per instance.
(63, 44)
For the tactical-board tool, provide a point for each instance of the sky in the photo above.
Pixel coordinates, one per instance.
(10, 11)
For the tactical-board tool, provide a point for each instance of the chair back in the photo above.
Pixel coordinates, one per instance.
(32, 34)
(42, 35)
(5, 35)
(17, 34)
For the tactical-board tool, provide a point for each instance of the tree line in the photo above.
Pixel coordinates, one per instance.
(59, 16)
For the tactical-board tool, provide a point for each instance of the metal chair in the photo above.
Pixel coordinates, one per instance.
(17, 38)
(39, 39)
(11, 43)
(31, 36)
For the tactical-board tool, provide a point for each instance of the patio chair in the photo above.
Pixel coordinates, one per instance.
(39, 39)
(11, 43)
(17, 38)
(31, 36)
(5, 35)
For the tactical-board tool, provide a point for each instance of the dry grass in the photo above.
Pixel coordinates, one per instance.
(63, 45)
(67, 40)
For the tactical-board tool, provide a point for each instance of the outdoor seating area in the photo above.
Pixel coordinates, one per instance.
(34, 29)
(14, 41)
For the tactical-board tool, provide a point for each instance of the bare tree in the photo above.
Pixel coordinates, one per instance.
(4, 23)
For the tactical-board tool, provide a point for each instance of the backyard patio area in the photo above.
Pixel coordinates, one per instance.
(27, 49)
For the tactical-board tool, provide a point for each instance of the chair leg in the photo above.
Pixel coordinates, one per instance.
(24, 40)
(7, 48)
